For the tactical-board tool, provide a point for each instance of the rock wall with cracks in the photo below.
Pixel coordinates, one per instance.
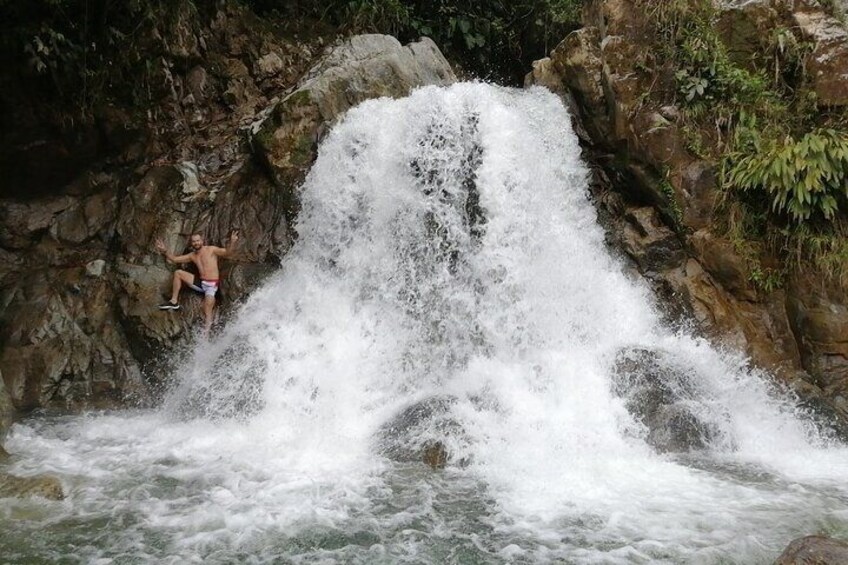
(657, 199)
(79, 278)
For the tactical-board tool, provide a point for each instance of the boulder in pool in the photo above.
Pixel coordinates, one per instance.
(814, 550)
(44, 486)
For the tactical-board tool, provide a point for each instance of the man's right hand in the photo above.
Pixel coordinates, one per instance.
(160, 246)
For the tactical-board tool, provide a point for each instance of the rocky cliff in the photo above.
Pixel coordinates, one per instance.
(659, 197)
(237, 129)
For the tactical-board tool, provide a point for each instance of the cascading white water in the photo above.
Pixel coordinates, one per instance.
(447, 254)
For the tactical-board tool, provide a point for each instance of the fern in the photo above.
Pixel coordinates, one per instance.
(804, 179)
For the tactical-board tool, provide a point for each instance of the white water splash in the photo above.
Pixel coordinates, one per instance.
(447, 248)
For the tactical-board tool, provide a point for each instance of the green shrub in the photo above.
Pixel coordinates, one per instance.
(804, 179)
(784, 159)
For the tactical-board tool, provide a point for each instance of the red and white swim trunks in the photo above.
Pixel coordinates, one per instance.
(207, 287)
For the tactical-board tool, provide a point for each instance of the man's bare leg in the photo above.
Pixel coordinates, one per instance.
(180, 277)
(208, 309)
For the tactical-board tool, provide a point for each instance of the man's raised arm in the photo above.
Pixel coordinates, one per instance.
(160, 247)
(231, 245)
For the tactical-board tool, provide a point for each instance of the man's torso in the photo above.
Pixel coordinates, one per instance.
(207, 263)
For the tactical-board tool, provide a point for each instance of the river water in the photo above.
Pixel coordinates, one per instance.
(448, 258)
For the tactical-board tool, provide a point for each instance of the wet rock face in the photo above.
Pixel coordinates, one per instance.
(819, 314)
(661, 395)
(656, 198)
(79, 277)
(7, 410)
(814, 550)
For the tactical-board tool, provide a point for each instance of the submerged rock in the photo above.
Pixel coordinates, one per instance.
(662, 397)
(435, 455)
(45, 486)
(814, 550)
(417, 433)
(231, 390)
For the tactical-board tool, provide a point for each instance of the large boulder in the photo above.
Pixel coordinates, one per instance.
(420, 432)
(364, 67)
(7, 410)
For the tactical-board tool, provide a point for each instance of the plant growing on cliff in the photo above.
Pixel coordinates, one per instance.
(803, 178)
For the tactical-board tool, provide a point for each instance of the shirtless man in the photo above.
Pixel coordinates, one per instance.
(206, 259)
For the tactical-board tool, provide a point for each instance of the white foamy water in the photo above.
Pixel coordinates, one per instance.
(448, 255)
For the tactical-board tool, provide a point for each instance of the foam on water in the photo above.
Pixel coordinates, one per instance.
(447, 248)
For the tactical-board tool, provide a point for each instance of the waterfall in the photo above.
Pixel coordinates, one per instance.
(450, 285)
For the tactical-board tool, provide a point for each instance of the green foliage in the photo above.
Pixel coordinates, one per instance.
(805, 178)
(766, 279)
(825, 249)
(784, 160)
(84, 52)
(707, 80)
(495, 40)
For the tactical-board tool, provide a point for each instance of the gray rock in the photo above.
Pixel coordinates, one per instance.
(649, 242)
(361, 68)
(819, 316)
(270, 64)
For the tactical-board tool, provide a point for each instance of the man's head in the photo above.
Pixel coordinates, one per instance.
(196, 241)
